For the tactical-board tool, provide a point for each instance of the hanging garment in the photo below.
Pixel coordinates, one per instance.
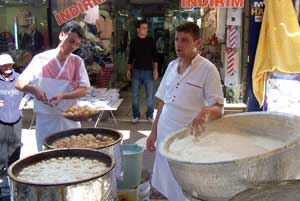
(36, 42)
(92, 15)
(210, 24)
(24, 41)
(278, 48)
(22, 17)
(6, 41)
(221, 22)
(104, 27)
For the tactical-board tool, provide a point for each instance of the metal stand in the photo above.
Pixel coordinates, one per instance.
(101, 115)
(32, 121)
(99, 118)
(112, 108)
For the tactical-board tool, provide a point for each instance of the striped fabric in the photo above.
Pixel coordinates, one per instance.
(230, 61)
(232, 43)
(232, 37)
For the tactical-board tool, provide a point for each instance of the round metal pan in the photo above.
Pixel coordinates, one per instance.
(16, 167)
(116, 135)
(221, 180)
(281, 191)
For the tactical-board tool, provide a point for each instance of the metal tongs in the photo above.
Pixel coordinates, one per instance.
(53, 106)
(197, 131)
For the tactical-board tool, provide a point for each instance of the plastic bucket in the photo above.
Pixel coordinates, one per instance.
(132, 162)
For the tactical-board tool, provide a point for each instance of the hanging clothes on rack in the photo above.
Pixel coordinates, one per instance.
(91, 16)
(104, 25)
(221, 22)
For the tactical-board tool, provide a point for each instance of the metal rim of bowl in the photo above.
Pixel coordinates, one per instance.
(47, 145)
(31, 159)
(261, 156)
(265, 186)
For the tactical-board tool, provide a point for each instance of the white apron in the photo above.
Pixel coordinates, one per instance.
(184, 96)
(162, 178)
(49, 119)
(172, 119)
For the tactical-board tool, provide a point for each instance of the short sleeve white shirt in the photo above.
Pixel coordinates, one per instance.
(185, 94)
(47, 65)
(46, 72)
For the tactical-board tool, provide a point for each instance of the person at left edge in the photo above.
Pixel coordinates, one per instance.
(10, 115)
(58, 77)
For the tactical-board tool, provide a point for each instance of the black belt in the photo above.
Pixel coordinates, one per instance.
(10, 124)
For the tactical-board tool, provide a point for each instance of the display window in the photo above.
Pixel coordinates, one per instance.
(23, 30)
(96, 18)
(110, 25)
(221, 42)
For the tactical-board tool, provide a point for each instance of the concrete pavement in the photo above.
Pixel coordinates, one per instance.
(132, 133)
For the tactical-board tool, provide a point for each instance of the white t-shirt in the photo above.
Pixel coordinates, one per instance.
(46, 67)
(184, 95)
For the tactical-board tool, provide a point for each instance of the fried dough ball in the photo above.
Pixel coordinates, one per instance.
(89, 140)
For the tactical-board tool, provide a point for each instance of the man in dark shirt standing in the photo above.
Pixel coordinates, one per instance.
(142, 68)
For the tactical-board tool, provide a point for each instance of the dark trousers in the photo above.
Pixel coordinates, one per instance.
(15, 156)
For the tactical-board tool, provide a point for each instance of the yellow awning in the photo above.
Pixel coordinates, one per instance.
(278, 48)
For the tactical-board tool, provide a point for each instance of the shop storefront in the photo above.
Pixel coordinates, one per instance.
(23, 29)
(237, 151)
(110, 25)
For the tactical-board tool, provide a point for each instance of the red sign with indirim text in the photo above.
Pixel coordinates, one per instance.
(212, 3)
(74, 10)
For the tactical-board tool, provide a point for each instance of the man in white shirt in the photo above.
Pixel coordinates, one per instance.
(56, 78)
(189, 92)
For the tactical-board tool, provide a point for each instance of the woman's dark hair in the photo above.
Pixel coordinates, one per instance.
(74, 27)
(189, 27)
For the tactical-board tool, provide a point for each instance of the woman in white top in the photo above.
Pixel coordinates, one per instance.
(189, 91)
(56, 78)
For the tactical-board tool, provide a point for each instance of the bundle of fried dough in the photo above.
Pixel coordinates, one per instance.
(79, 113)
(93, 141)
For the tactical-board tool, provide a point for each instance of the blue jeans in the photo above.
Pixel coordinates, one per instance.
(142, 77)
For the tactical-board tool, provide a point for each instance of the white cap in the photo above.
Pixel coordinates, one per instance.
(6, 59)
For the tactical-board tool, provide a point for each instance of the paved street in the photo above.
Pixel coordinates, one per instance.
(132, 133)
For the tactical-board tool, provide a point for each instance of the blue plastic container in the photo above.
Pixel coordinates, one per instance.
(132, 163)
